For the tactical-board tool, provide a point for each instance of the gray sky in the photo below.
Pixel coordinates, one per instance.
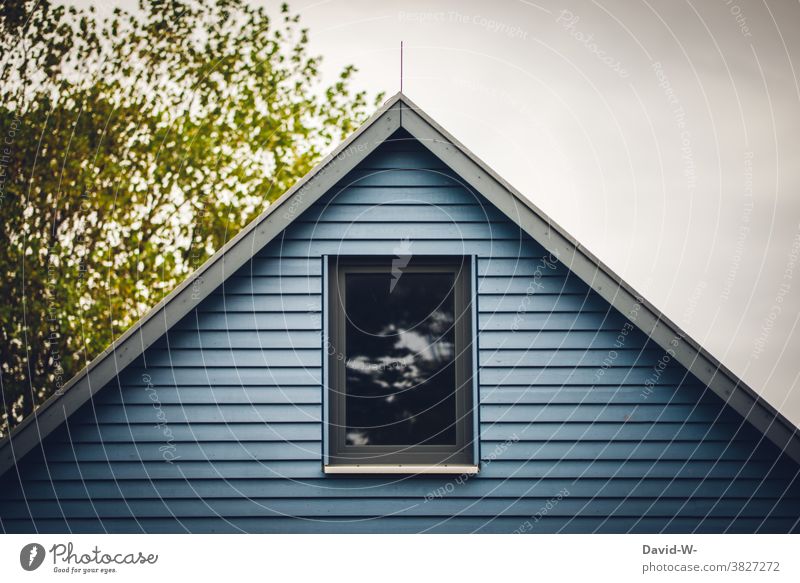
(662, 134)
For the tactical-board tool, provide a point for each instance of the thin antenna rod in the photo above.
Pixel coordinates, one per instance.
(401, 66)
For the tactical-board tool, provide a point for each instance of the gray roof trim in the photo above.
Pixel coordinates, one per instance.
(397, 112)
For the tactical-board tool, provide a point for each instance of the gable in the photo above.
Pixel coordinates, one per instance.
(218, 424)
(271, 229)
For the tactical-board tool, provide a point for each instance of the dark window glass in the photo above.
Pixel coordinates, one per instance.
(400, 350)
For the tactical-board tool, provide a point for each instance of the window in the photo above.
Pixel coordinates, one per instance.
(399, 365)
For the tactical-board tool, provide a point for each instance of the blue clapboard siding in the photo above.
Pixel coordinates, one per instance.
(237, 401)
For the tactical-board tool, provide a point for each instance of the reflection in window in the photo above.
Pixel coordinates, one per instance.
(399, 349)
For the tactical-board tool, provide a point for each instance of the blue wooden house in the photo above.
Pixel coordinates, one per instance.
(403, 343)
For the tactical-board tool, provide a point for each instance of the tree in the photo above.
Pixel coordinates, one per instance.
(133, 148)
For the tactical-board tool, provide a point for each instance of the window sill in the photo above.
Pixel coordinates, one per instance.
(401, 469)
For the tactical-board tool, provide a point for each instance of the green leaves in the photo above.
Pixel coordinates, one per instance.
(142, 144)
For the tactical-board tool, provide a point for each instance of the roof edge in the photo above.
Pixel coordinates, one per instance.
(398, 111)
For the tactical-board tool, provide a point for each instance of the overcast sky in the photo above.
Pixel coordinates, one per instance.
(663, 135)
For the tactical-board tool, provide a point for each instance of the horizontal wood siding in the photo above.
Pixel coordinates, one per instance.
(585, 424)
